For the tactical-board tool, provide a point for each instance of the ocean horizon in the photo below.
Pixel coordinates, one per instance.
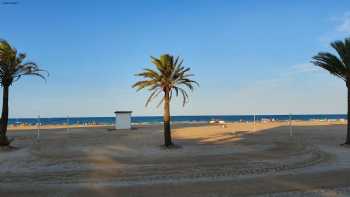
(175, 119)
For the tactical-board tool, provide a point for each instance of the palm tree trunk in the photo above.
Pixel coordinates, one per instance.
(348, 124)
(4, 117)
(166, 119)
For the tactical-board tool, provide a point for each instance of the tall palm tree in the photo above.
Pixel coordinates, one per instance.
(338, 65)
(12, 68)
(169, 78)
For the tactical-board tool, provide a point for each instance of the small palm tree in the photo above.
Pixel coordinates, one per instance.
(169, 78)
(338, 65)
(12, 68)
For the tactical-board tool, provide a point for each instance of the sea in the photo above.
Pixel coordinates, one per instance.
(148, 120)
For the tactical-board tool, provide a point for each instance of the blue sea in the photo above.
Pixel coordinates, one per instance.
(175, 119)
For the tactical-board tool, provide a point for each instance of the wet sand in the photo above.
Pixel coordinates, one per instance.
(237, 159)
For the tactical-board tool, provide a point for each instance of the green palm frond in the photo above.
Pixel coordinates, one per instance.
(338, 65)
(154, 94)
(343, 50)
(13, 67)
(169, 75)
(332, 64)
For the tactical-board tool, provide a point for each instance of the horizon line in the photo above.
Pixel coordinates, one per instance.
(278, 114)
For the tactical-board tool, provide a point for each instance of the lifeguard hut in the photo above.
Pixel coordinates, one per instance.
(123, 119)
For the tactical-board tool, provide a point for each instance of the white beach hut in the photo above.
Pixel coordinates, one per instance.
(123, 119)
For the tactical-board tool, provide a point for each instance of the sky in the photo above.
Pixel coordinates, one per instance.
(250, 57)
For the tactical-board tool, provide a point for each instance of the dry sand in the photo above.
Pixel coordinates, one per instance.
(57, 126)
(239, 159)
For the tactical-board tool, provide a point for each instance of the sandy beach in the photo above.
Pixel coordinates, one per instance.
(238, 159)
(52, 126)
(236, 125)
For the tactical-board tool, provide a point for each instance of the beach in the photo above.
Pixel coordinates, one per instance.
(237, 159)
(54, 126)
(175, 98)
(236, 124)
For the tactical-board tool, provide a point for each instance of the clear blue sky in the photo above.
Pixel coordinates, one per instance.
(249, 56)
